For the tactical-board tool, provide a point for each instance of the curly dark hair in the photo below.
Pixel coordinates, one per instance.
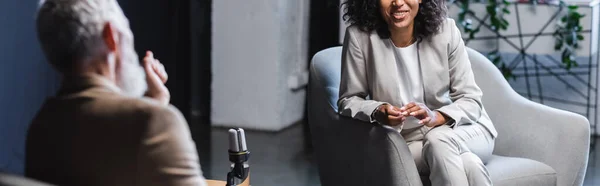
(365, 14)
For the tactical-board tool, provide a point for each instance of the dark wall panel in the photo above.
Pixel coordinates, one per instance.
(179, 34)
(323, 33)
(161, 26)
(25, 80)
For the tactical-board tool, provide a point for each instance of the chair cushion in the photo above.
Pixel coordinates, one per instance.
(326, 68)
(520, 171)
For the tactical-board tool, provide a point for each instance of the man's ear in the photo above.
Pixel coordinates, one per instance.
(110, 37)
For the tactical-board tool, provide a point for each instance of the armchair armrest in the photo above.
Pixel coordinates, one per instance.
(555, 137)
(349, 151)
(527, 129)
(353, 152)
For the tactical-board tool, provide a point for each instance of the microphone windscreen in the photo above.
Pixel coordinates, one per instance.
(234, 145)
(243, 140)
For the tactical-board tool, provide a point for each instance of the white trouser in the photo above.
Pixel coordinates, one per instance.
(453, 157)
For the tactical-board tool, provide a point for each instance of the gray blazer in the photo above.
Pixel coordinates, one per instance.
(369, 68)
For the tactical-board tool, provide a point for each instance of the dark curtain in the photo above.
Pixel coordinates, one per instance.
(178, 32)
(163, 27)
(323, 33)
(201, 77)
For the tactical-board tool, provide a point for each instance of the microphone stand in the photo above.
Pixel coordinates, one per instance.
(239, 159)
(240, 168)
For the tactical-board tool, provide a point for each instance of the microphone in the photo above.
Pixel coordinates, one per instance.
(238, 156)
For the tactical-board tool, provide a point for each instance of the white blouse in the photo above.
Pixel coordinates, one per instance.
(409, 76)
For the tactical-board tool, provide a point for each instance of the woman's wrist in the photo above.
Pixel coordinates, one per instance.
(377, 112)
(441, 118)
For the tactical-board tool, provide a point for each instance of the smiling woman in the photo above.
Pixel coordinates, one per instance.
(428, 15)
(410, 60)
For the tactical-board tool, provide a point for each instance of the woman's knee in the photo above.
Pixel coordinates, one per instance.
(472, 162)
(439, 136)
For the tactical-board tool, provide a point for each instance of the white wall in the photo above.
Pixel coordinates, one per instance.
(258, 47)
(532, 20)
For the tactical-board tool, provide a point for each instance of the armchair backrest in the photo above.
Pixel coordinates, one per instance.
(326, 69)
(325, 81)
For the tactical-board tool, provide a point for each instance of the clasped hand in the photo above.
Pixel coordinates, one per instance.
(393, 116)
(156, 77)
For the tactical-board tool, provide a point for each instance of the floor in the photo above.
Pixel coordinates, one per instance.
(275, 158)
(280, 159)
(592, 176)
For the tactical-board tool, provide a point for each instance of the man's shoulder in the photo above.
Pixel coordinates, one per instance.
(155, 118)
(141, 108)
(153, 109)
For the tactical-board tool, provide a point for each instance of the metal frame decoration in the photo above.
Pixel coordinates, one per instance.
(532, 69)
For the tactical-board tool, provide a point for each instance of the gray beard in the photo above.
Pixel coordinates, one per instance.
(132, 79)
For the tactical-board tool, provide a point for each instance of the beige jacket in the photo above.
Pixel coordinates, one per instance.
(369, 69)
(90, 134)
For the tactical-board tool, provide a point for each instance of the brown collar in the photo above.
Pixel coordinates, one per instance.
(79, 83)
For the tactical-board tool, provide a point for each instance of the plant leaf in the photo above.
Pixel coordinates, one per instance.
(565, 53)
(558, 45)
(572, 7)
(491, 10)
(505, 22)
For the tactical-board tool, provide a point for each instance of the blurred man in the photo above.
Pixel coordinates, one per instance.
(110, 123)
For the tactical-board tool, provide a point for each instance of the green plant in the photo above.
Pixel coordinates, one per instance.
(495, 57)
(466, 23)
(497, 22)
(567, 33)
(496, 16)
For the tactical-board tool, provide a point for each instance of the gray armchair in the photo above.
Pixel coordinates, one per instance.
(16, 180)
(537, 145)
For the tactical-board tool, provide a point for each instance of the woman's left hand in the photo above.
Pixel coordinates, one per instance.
(425, 115)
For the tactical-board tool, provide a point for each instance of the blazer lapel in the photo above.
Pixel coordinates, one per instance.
(385, 70)
(434, 73)
(425, 65)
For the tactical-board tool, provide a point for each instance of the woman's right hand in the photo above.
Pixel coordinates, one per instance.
(389, 115)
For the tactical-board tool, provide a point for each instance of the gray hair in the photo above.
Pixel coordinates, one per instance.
(70, 31)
